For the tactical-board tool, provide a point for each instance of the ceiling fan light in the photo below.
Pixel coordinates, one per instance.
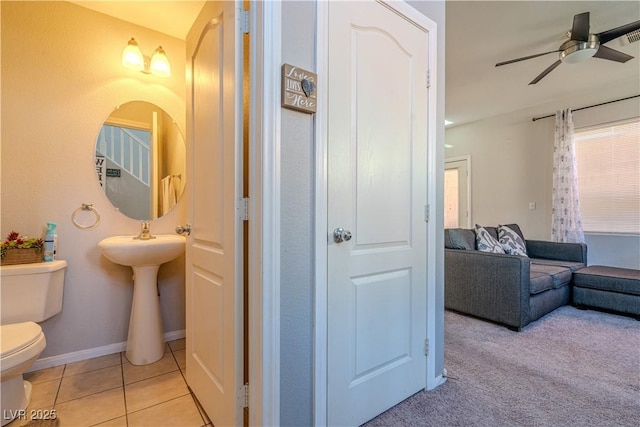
(574, 52)
(578, 55)
(132, 57)
(159, 65)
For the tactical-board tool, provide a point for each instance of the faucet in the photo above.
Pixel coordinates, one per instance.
(145, 234)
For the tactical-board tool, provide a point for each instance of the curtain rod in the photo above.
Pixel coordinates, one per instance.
(589, 106)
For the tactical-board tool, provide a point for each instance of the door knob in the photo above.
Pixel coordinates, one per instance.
(341, 235)
(184, 229)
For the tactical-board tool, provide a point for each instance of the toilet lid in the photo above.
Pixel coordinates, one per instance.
(16, 336)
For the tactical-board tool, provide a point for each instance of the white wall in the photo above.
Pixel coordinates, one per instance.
(61, 78)
(512, 165)
(297, 238)
(509, 168)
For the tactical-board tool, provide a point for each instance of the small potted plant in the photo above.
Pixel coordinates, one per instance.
(18, 249)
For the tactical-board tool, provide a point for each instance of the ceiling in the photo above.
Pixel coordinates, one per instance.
(169, 17)
(478, 35)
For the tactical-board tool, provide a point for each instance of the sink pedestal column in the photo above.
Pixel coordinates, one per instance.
(145, 343)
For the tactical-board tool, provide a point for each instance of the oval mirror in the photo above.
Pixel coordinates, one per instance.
(140, 160)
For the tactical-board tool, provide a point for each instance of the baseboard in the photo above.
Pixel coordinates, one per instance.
(90, 353)
(441, 379)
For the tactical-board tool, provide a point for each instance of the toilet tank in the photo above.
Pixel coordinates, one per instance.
(31, 291)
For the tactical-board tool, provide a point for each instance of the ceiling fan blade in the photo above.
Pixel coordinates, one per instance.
(614, 33)
(580, 28)
(549, 69)
(524, 58)
(605, 52)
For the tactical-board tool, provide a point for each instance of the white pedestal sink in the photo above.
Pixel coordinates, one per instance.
(145, 343)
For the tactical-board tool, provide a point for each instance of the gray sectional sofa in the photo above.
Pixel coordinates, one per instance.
(508, 289)
(609, 289)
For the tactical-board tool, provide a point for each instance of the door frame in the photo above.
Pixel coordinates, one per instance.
(264, 230)
(321, 222)
(265, 25)
(467, 160)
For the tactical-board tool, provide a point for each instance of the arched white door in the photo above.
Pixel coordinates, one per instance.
(377, 138)
(214, 318)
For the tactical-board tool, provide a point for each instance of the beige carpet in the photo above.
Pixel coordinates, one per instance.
(570, 368)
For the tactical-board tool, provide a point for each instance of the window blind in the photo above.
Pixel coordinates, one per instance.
(608, 158)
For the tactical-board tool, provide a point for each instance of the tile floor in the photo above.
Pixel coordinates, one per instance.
(110, 391)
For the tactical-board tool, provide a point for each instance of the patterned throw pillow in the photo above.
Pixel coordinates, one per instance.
(511, 241)
(486, 242)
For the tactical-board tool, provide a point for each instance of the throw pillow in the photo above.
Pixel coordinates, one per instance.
(511, 241)
(461, 239)
(486, 242)
(516, 228)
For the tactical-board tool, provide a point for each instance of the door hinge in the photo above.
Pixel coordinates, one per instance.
(244, 395)
(243, 209)
(426, 213)
(243, 17)
(426, 346)
(428, 78)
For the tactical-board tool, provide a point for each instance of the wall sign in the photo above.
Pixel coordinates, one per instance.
(100, 169)
(113, 173)
(299, 89)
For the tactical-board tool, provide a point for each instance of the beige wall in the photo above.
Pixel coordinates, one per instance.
(61, 77)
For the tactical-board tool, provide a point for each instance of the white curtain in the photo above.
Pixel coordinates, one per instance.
(566, 223)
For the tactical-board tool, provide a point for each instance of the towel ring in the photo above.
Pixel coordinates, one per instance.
(85, 207)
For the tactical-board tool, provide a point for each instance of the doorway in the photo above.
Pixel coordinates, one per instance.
(457, 192)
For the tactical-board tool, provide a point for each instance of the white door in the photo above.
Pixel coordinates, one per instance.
(214, 276)
(377, 190)
(457, 212)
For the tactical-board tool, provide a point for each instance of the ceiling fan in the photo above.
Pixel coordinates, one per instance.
(583, 45)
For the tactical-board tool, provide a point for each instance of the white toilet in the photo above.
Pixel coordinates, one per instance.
(30, 293)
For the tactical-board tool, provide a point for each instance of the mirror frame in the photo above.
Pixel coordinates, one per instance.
(140, 160)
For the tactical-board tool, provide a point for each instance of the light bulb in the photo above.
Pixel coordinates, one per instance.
(132, 56)
(159, 65)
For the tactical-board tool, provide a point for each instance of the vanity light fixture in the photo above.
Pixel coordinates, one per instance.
(157, 65)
